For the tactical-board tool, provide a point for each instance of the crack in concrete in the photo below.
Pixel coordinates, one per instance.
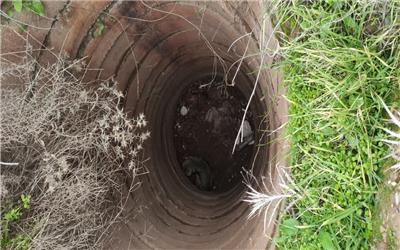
(89, 34)
(43, 47)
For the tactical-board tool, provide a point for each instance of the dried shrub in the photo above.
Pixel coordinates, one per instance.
(72, 148)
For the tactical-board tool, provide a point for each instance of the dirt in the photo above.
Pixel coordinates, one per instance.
(389, 215)
(208, 117)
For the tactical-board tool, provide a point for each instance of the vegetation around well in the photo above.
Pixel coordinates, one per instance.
(68, 149)
(339, 58)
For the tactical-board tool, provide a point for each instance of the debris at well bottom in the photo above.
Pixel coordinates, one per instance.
(207, 122)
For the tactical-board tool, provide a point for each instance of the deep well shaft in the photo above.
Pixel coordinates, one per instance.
(154, 50)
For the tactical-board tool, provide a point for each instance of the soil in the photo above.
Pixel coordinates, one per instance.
(207, 120)
(389, 216)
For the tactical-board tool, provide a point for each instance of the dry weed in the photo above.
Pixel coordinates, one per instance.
(72, 148)
(394, 142)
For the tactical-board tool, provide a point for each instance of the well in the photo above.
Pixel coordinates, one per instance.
(154, 50)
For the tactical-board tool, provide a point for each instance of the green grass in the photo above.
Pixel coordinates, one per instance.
(344, 56)
(13, 215)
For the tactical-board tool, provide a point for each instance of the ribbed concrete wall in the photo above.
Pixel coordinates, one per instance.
(153, 50)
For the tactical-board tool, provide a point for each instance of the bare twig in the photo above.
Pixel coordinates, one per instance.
(9, 163)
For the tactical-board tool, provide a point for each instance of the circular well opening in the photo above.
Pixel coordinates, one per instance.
(152, 48)
(208, 115)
